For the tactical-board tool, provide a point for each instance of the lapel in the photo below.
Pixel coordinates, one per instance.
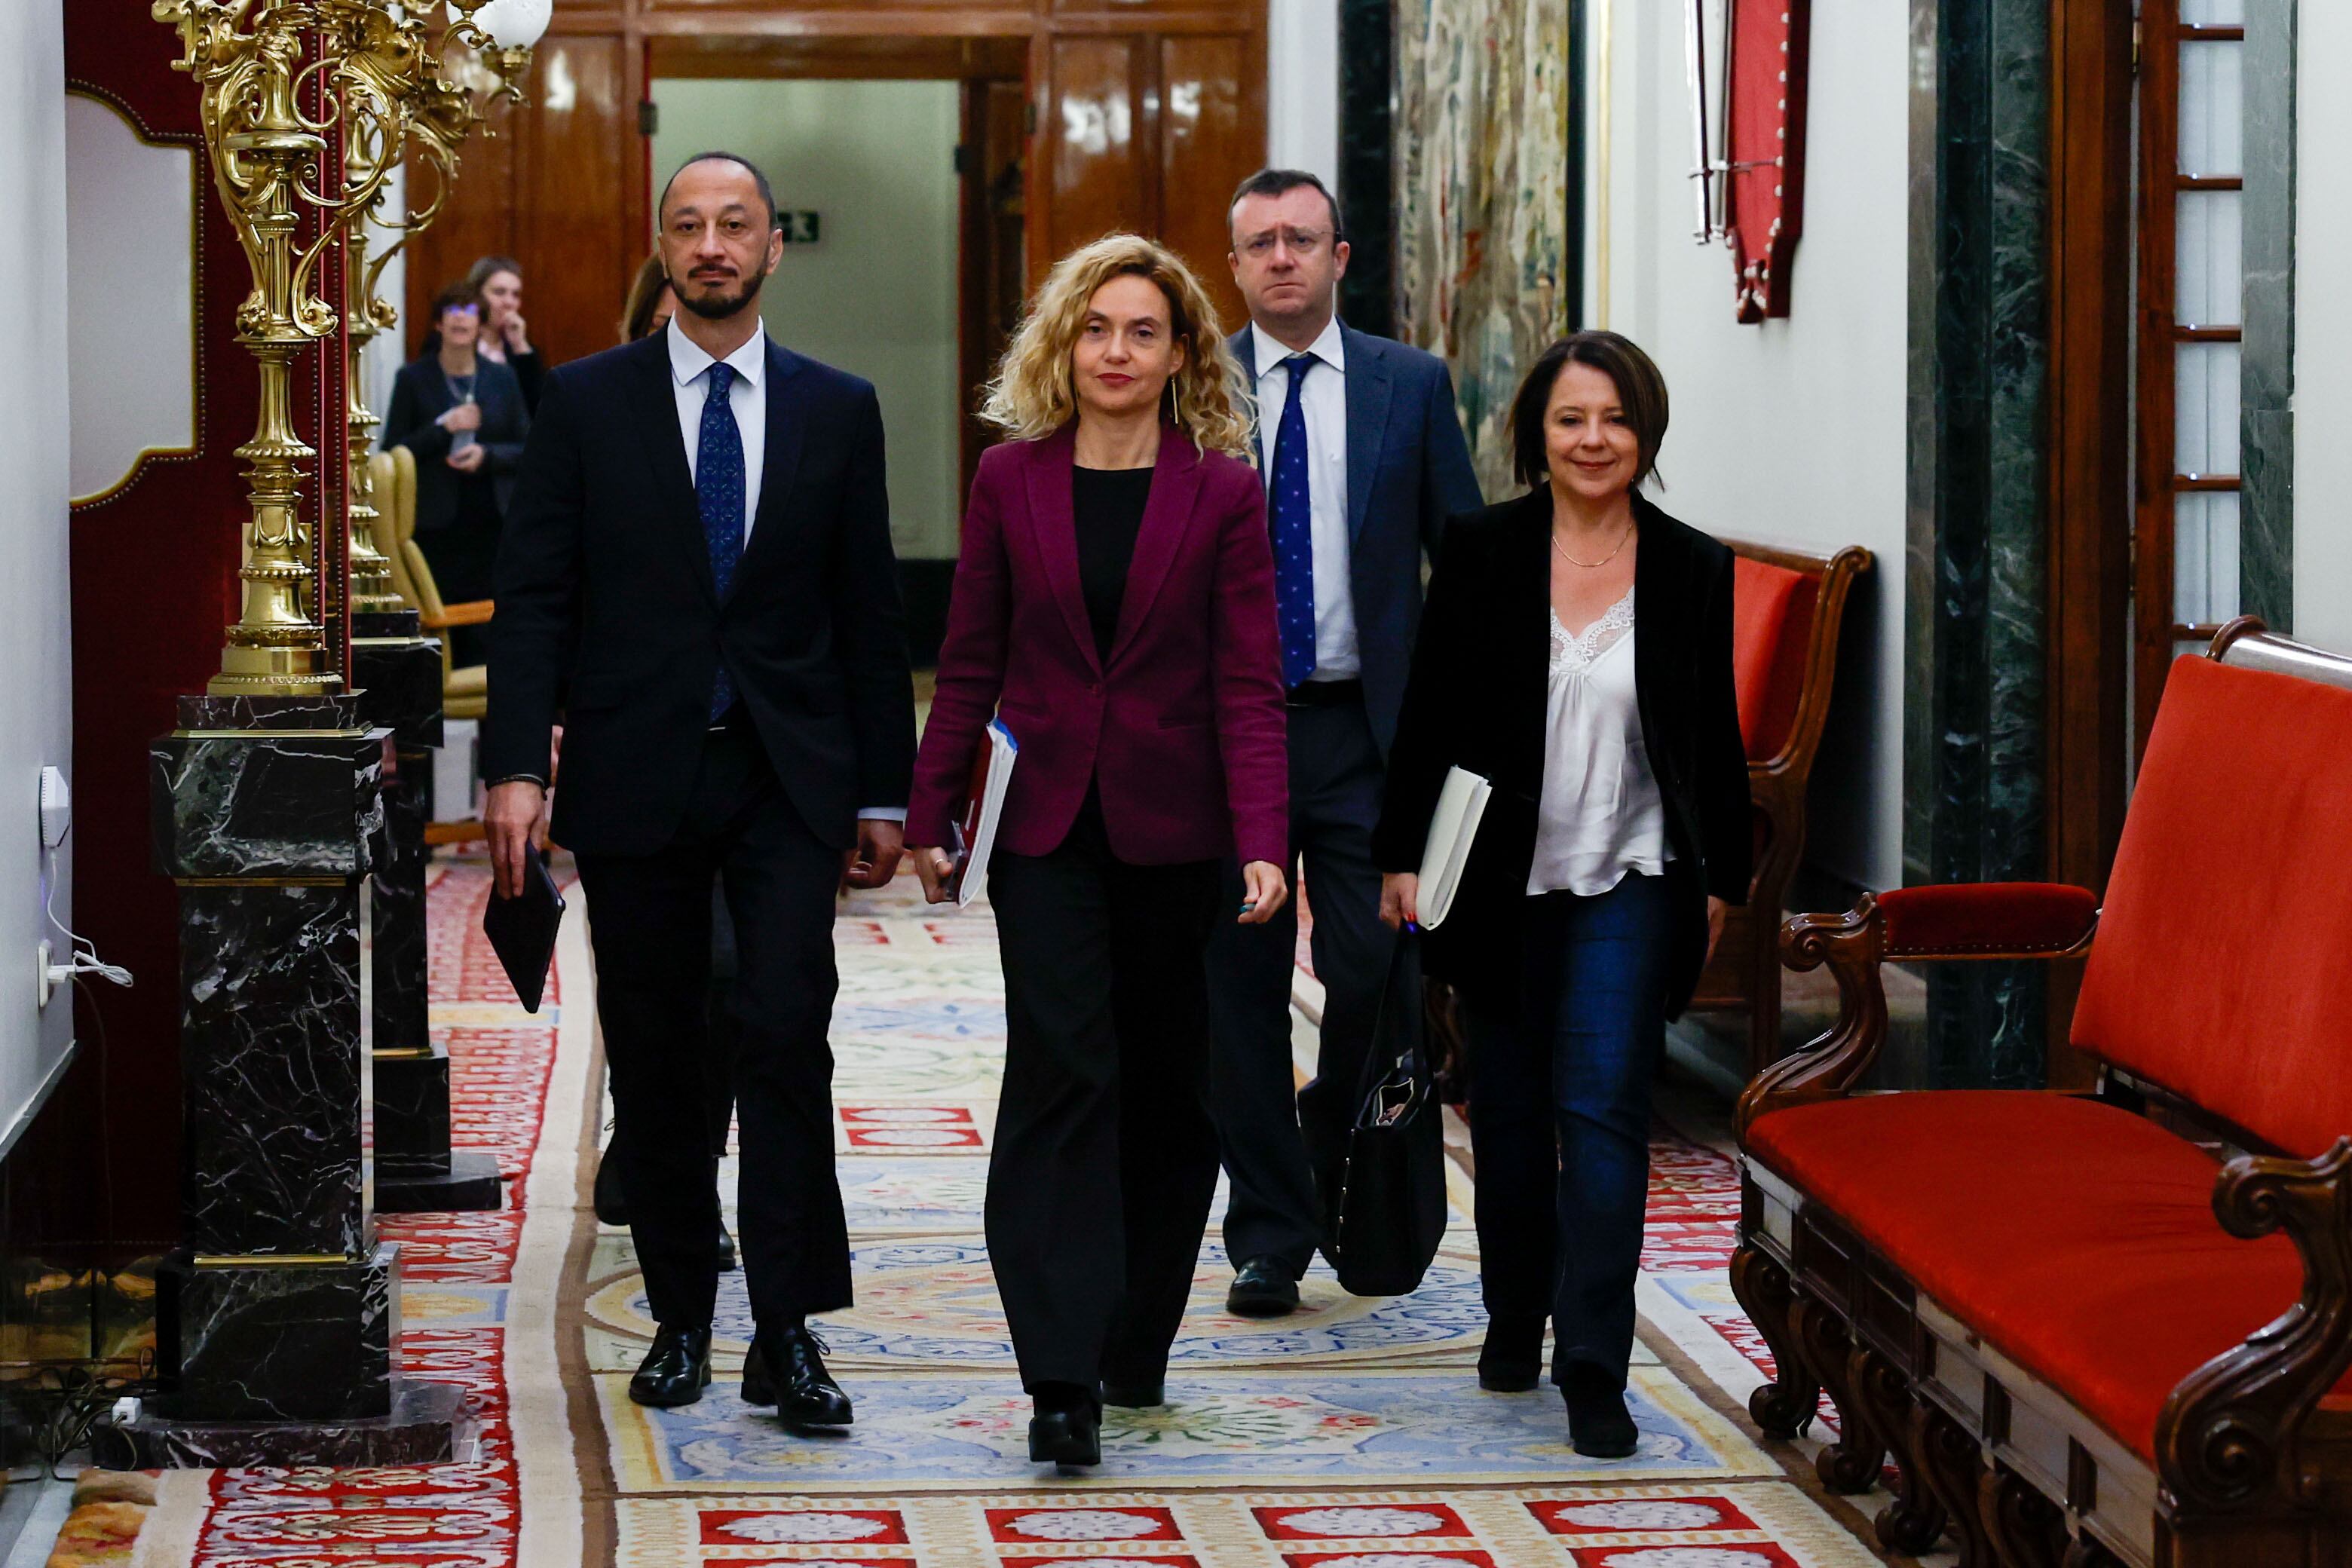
(1054, 529)
(1660, 592)
(1243, 345)
(653, 395)
(1527, 627)
(1175, 480)
(787, 396)
(1367, 420)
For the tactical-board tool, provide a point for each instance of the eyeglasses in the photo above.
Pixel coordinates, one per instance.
(1301, 241)
(463, 311)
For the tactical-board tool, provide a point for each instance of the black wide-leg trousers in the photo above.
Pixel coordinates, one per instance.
(650, 924)
(1105, 1160)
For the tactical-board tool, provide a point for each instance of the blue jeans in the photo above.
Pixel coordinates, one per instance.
(1560, 1117)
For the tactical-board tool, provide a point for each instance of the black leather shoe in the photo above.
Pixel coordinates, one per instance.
(1511, 1361)
(726, 1249)
(1134, 1396)
(786, 1369)
(1263, 1289)
(1067, 1429)
(1599, 1424)
(612, 1205)
(676, 1370)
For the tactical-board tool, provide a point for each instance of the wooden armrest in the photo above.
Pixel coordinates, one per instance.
(2227, 1436)
(472, 612)
(1961, 921)
(1989, 921)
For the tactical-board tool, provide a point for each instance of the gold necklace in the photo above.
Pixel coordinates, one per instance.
(1594, 566)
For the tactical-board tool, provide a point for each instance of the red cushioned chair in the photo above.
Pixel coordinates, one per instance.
(1787, 607)
(2109, 1327)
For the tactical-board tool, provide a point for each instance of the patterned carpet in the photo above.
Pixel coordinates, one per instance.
(1351, 1436)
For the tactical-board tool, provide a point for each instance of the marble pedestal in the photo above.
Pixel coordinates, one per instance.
(279, 1319)
(416, 1171)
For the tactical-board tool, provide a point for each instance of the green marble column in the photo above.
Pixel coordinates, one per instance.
(1976, 573)
(2266, 359)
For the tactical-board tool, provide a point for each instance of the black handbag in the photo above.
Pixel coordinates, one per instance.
(1391, 1210)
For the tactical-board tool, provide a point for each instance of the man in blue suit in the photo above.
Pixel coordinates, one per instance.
(1364, 462)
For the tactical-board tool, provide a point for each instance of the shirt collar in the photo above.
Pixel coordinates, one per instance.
(1329, 348)
(689, 358)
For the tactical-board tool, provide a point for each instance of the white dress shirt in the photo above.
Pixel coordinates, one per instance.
(746, 396)
(1323, 403)
(690, 371)
(1601, 815)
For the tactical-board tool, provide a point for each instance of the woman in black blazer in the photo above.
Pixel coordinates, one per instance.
(1575, 652)
(462, 413)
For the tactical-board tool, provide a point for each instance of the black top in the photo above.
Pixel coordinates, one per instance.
(1476, 700)
(1107, 504)
(421, 393)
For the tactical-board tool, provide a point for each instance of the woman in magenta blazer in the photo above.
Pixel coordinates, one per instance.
(1114, 605)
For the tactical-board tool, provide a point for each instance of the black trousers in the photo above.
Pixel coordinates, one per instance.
(1282, 1155)
(650, 923)
(1105, 1160)
(464, 558)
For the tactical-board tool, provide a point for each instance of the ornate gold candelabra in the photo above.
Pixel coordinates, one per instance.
(253, 61)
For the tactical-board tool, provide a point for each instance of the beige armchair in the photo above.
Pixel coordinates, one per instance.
(465, 692)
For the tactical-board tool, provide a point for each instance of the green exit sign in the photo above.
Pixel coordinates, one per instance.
(803, 228)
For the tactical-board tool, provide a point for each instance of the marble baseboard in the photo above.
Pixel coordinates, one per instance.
(400, 683)
(402, 1013)
(411, 1117)
(425, 1424)
(470, 1183)
(273, 1069)
(274, 1342)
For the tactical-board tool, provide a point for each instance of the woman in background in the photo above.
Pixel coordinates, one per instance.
(651, 301)
(1114, 604)
(1576, 652)
(462, 415)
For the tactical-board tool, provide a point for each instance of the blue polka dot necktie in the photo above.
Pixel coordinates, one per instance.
(718, 492)
(1290, 515)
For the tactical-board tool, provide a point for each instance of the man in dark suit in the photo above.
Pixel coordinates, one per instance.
(1364, 460)
(698, 570)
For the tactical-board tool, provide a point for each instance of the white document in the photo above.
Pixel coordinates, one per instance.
(994, 777)
(1452, 827)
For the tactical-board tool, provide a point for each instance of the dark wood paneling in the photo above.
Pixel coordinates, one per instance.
(579, 253)
(2090, 464)
(1093, 121)
(856, 59)
(1208, 144)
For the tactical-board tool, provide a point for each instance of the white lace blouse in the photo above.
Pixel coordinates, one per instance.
(1601, 815)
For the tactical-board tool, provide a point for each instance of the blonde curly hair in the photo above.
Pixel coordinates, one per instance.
(1034, 393)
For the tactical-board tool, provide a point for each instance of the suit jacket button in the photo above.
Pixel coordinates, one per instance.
(1095, 690)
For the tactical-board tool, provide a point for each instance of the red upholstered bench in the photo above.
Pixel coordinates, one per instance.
(2108, 1326)
(1787, 607)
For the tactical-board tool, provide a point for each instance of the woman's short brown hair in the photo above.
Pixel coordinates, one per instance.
(644, 294)
(1640, 393)
(455, 297)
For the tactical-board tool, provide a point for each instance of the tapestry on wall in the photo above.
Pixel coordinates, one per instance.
(1482, 202)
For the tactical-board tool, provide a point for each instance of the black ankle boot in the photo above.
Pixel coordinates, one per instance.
(1599, 1424)
(1511, 1361)
(1066, 1428)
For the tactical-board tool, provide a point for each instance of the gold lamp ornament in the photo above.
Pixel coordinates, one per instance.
(253, 61)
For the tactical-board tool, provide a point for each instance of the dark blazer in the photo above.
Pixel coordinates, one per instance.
(604, 553)
(1478, 701)
(1408, 471)
(420, 396)
(1181, 726)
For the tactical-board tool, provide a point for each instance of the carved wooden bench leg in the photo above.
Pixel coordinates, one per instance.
(1785, 1406)
(1914, 1521)
(2026, 1528)
(1852, 1464)
(1952, 1466)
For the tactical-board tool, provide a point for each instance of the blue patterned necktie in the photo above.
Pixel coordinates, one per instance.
(1290, 514)
(719, 493)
